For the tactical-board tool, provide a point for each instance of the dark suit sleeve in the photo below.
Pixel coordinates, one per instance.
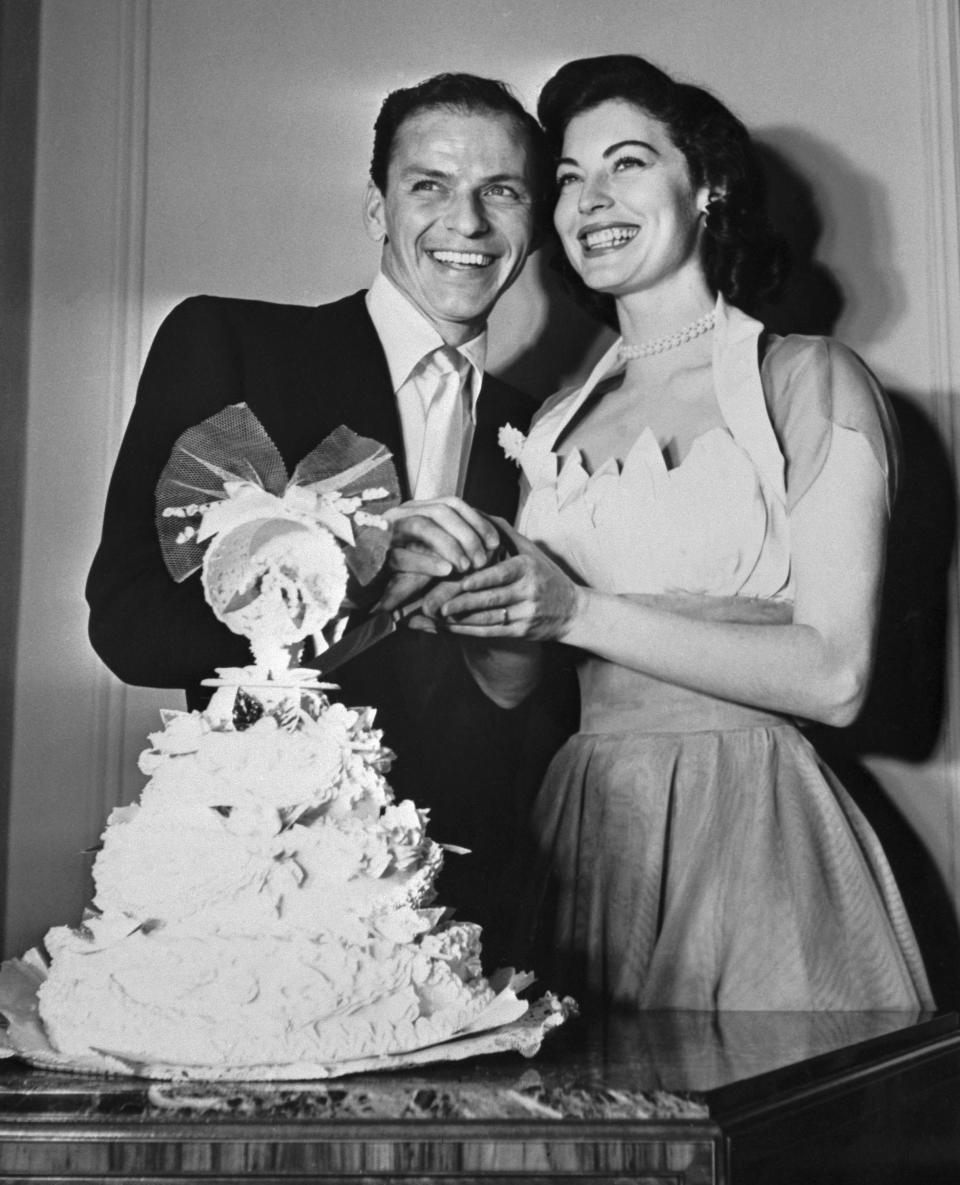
(148, 629)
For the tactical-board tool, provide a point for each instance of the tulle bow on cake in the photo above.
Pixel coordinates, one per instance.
(280, 555)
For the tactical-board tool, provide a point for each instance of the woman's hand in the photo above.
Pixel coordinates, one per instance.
(525, 596)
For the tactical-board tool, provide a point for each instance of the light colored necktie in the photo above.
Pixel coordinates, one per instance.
(442, 379)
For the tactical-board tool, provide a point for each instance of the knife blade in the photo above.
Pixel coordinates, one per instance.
(377, 626)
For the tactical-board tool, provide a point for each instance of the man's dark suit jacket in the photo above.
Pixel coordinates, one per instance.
(303, 371)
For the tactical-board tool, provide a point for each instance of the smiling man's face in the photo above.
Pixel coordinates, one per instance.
(457, 217)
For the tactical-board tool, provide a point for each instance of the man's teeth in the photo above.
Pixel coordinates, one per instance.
(608, 237)
(462, 258)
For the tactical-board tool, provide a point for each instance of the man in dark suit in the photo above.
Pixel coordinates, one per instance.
(457, 179)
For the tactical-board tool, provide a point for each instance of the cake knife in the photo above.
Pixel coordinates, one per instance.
(375, 628)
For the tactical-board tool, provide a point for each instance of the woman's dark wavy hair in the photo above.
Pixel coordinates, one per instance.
(743, 257)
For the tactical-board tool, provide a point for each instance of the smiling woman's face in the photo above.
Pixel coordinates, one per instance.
(627, 213)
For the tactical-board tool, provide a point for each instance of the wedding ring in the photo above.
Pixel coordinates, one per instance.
(505, 617)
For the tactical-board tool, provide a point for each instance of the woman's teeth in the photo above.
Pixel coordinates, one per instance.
(611, 236)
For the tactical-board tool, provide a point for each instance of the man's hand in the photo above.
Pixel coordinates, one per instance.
(440, 537)
(433, 539)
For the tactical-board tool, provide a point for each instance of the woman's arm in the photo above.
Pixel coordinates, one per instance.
(817, 667)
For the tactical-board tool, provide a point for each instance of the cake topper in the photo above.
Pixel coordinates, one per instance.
(279, 555)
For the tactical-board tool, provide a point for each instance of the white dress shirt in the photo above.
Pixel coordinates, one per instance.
(408, 339)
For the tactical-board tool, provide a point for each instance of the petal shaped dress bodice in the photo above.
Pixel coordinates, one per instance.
(714, 525)
(702, 527)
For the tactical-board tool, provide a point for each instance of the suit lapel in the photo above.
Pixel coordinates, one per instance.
(355, 381)
(492, 483)
(355, 389)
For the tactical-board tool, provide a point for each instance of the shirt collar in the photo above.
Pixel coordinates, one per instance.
(406, 335)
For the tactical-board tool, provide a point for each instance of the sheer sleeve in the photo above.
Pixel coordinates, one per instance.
(810, 385)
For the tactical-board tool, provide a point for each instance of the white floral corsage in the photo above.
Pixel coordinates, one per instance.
(511, 440)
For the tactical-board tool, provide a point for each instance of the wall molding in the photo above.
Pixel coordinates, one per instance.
(128, 186)
(939, 46)
(940, 115)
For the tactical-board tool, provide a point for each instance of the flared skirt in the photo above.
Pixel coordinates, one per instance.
(700, 855)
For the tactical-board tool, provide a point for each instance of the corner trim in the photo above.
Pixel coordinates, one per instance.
(939, 51)
(126, 297)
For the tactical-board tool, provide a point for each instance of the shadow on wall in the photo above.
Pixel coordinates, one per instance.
(569, 342)
(905, 712)
(904, 715)
(810, 215)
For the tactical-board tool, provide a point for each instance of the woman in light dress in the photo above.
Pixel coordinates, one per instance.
(704, 522)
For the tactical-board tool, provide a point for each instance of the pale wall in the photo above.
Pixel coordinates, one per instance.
(221, 146)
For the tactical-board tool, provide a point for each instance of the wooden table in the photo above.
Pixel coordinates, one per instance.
(692, 1098)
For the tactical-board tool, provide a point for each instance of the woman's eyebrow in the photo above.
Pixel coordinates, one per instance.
(570, 160)
(628, 143)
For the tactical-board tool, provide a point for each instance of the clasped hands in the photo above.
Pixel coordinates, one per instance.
(476, 576)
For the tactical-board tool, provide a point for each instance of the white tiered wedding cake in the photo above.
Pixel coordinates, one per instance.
(265, 909)
(265, 902)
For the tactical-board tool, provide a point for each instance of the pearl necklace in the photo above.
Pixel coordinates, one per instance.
(671, 340)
